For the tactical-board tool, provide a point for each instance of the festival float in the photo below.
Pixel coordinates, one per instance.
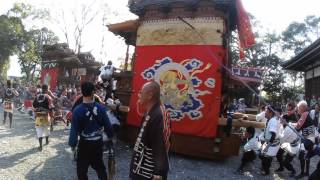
(184, 45)
(60, 67)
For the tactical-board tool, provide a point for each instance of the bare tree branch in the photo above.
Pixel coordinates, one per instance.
(64, 28)
(81, 21)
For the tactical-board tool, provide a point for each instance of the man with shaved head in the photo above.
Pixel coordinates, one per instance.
(150, 157)
(306, 126)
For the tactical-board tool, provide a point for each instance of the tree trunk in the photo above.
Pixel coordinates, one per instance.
(33, 71)
(27, 77)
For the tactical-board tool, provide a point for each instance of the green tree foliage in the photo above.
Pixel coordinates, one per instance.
(4, 67)
(297, 37)
(262, 55)
(273, 79)
(257, 55)
(294, 37)
(30, 54)
(272, 49)
(25, 11)
(291, 93)
(11, 35)
(31, 41)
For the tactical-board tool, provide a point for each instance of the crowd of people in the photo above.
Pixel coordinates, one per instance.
(293, 132)
(25, 94)
(289, 134)
(238, 106)
(92, 120)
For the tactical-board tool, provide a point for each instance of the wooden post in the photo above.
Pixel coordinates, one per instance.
(127, 58)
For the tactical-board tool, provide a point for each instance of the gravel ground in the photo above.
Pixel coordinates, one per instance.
(20, 159)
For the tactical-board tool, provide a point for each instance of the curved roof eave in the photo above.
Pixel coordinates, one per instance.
(308, 55)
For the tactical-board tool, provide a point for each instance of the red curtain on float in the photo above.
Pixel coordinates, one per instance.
(49, 77)
(246, 36)
(190, 80)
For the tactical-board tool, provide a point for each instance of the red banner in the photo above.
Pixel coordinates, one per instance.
(246, 36)
(190, 80)
(49, 77)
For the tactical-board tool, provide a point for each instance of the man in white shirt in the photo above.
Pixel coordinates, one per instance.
(106, 75)
(271, 137)
(289, 148)
(106, 72)
(289, 140)
(251, 148)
